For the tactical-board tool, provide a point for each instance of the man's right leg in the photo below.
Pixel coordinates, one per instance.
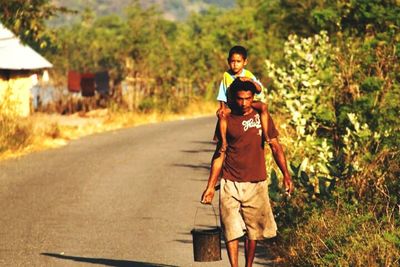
(231, 219)
(233, 252)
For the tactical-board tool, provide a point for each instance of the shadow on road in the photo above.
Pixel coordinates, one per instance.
(202, 166)
(204, 142)
(106, 262)
(199, 151)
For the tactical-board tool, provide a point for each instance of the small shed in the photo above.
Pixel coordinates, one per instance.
(19, 65)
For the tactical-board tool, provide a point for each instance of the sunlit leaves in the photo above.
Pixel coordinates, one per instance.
(304, 92)
(27, 19)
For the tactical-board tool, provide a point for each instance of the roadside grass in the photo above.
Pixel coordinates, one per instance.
(20, 136)
(348, 235)
(353, 227)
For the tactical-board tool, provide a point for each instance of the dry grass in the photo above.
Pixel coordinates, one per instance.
(46, 131)
(343, 238)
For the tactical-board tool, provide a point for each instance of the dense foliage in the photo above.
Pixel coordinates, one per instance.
(332, 71)
(345, 156)
(27, 19)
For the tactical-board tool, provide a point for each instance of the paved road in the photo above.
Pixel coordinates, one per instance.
(124, 198)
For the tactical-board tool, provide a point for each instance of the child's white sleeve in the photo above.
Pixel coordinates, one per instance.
(222, 92)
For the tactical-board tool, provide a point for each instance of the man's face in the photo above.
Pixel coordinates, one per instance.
(243, 100)
(237, 63)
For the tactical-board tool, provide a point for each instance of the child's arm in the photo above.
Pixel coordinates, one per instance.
(256, 84)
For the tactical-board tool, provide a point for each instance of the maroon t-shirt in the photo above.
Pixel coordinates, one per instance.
(245, 160)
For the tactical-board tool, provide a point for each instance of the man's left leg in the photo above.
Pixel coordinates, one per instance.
(257, 214)
(250, 251)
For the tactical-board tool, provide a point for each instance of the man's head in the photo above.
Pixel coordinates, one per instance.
(242, 95)
(237, 59)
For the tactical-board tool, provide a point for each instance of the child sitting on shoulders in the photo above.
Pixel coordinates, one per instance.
(237, 60)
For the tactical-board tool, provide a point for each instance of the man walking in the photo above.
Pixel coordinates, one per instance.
(244, 202)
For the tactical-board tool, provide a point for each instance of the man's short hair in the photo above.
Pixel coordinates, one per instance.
(239, 85)
(237, 49)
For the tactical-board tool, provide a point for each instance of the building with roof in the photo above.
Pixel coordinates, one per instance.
(19, 66)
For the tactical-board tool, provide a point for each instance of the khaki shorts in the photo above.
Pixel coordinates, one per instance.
(245, 209)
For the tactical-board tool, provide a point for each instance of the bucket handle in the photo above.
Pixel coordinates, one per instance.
(215, 214)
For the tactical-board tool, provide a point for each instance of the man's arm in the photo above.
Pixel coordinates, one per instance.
(216, 167)
(279, 156)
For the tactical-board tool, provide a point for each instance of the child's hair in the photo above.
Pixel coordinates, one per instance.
(237, 49)
(239, 85)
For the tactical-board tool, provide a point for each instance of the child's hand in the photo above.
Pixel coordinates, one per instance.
(220, 112)
(245, 79)
(224, 112)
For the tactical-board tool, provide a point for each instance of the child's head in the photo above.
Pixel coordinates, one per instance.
(237, 59)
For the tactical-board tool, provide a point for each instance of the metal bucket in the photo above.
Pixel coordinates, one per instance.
(207, 242)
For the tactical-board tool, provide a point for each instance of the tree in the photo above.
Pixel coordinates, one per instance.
(27, 18)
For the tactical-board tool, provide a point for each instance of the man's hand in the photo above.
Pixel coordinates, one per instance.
(280, 159)
(207, 196)
(288, 184)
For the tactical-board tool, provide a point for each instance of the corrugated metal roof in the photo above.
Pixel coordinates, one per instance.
(16, 56)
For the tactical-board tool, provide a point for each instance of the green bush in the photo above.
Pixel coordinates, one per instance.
(345, 154)
(147, 104)
(371, 84)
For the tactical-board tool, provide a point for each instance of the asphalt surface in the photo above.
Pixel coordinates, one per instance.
(123, 198)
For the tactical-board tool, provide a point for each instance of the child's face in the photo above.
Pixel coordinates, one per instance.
(236, 63)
